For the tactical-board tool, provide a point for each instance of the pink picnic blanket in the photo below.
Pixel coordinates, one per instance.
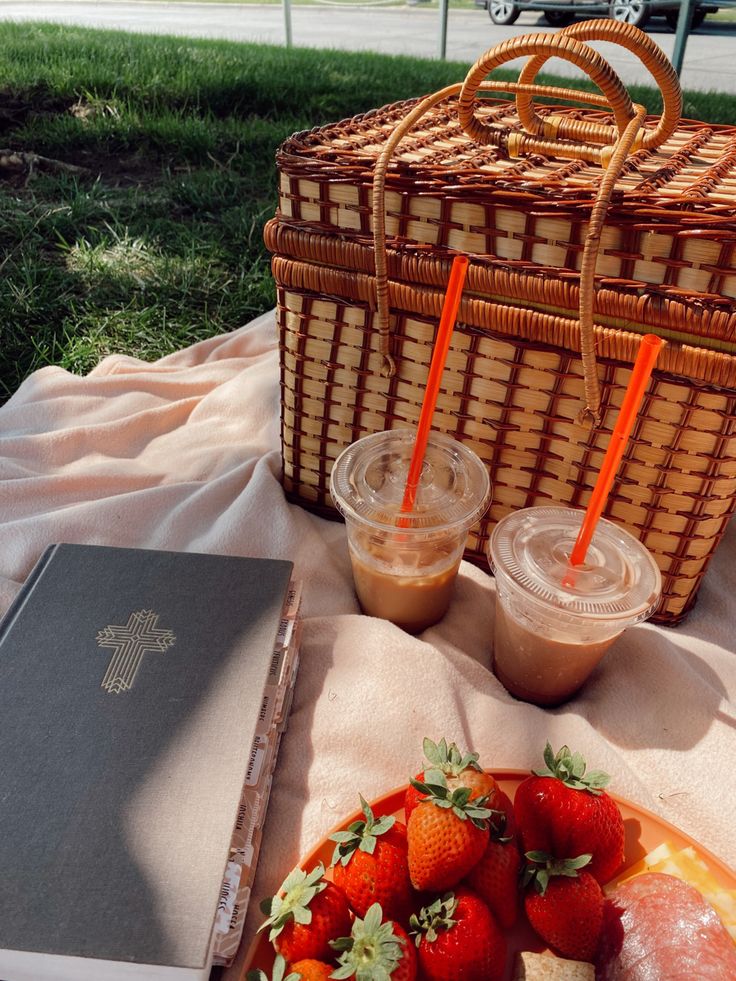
(184, 454)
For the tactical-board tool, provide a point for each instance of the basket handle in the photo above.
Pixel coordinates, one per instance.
(541, 47)
(634, 40)
(628, 118)
(384, 158)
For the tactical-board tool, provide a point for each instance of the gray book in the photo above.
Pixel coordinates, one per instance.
(130, 687)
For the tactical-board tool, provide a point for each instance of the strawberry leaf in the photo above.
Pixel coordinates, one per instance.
(372, 919)
(346, 971)
(476, 810)
(277, 974)
(577, 765)
(449, 759)
(597, 780)
(372, 952)
(461, 796)
(433, 919)
(360, 835)
(542, 867)
(549, 759)
(366, 809)
(459, 800)
(540, 878)
(435, 778)
(302, 914)
(569, 768)
(434, 753)
(292, 900)
(383, 824)
(433, 783)
(577, 863)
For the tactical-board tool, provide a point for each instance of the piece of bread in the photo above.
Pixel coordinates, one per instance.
(546, 967)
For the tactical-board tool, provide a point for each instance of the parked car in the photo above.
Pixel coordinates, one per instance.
(558, 13)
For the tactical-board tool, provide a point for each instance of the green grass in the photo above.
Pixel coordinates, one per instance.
(159, 242)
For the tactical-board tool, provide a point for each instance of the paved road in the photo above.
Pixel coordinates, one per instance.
(710, 60)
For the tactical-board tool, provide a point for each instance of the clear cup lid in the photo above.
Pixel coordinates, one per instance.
(619, 578)
(368, 481)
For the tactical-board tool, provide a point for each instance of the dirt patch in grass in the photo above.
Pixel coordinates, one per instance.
(119, 171)
(97, 163)
(16, 110)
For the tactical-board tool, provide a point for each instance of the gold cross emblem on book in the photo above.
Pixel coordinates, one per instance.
(139, 636)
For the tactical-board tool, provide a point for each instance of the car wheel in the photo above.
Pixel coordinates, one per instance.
(558, 18)
(634, 12)
(672, 16)
(503, 11)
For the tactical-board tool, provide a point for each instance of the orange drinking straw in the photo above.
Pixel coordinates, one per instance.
(436, 367)
(648, 352)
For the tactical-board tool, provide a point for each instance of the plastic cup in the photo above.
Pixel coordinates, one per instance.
(405, 563)
(554, 623)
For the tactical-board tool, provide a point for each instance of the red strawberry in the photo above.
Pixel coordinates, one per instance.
(310, 969)
(496, 876)
(447, 835)
(460, 770)
(458, 938)
(305, 915)
(371, 865)
(376, 949)
(565, 905)
(564, 811)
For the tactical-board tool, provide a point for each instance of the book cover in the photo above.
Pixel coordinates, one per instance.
(131, 683)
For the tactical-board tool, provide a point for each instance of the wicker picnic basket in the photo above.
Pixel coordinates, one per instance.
(587, 228)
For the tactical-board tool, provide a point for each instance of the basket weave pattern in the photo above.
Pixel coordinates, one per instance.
(514, 381)
(515, 402)
(671, 228)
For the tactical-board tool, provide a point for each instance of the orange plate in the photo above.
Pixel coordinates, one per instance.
(644, 831)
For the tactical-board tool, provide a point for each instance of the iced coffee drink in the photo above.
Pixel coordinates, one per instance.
(555, 622)
(405, 564)
(416, 596)
(537, 669)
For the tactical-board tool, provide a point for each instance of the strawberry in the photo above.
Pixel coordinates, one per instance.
(564, 905)
(496, 876)
(278, 973)
(460, 770)
(305, 915)
(371, 865)
(376, 950)
(447, 834)
(457, 938)
(309, 969)
(564, 811)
